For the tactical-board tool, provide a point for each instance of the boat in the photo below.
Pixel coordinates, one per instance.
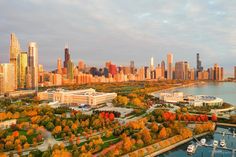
(222, 143)
(215, 143)
(191, 149)
(203, 141)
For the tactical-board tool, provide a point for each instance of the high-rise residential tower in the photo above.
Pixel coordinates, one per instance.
(23, 62)
(169, 66)
(33, 64)
(163, 69)
(7, 77)
(14, 54)
(67, 57)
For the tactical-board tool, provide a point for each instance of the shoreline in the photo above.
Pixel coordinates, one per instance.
(177, 87)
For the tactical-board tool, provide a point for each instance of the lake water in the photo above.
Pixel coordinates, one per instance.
(206, 151)
(224, 90)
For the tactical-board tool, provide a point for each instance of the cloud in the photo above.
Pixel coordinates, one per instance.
(100, 30)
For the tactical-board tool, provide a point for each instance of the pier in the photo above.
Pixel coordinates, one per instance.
(214, 148)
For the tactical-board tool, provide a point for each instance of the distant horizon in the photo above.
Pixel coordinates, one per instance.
(53, 67)
(120, 31)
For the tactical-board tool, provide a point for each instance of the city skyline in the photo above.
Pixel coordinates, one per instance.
(121, 36)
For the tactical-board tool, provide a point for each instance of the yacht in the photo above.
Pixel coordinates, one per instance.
(203, 141)
(215, 143)
(222, 143)
(191, 149)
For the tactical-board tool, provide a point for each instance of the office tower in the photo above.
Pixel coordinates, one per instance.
(33, 64)
(14, 54)
(132, 68)
(182, 70)
(67, 57)
(141, 74)
(234, 72)
(204, 75)
(7, 83)
(40, 68)
(70, 70)
(23, 63)
(169, 66)
(81, 65)
(107, 64)
(218, 73)
(163, 68)
(158, 73)
(147, 73)
(210, 73)
(112, 69)
(199, 64)
(59, 64)
(222, 73)
(192, 74)
(152, 64)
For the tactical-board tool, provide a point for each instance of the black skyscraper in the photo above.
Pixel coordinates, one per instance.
(67, 57)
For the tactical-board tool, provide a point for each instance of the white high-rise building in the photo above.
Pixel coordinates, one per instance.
(152, 64)
(33, 64)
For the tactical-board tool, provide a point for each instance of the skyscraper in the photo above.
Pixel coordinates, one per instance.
(169, 66)
(199, 65)
(70, 70)
(67, 57)
(7, 78)
(14, 54)
(59, 62)
(182, 70)
(218, 73)
(33, 64)
(23, 62)
(163, 69)
(132, 68)
(152, 64)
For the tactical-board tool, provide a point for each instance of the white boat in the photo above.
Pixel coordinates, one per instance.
(203, 141)
(215, 143)
(191, 149)
(222, 143)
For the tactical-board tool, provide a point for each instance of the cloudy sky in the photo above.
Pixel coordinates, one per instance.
(123, 30)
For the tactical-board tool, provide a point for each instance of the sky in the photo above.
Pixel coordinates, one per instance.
(122, 30)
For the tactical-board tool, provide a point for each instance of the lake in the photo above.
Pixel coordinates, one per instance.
(224, 90)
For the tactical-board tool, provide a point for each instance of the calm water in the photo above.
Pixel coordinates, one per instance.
(206, 151)
(224, 90)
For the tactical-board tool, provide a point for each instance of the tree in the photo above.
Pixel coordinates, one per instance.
(154, 127)
(162, 133)
(214, 117)
(127, 145)
(26, 145)
(111, 116)
(146, 136)
(50, 126)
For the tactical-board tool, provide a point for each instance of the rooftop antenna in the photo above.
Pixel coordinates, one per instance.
(67, 45)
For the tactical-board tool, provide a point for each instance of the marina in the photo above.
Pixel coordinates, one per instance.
(209, 146)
